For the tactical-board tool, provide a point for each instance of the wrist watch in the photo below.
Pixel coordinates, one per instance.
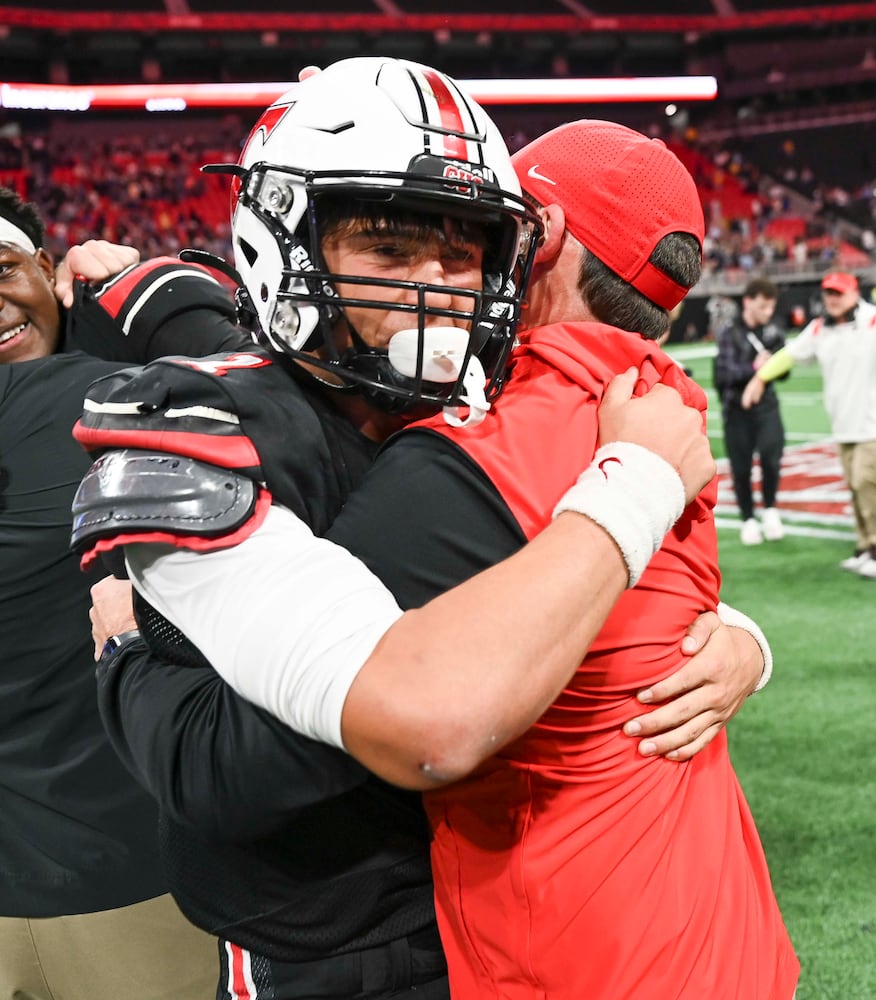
(116, 642)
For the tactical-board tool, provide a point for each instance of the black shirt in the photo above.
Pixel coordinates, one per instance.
(279, 844)
(77, 834)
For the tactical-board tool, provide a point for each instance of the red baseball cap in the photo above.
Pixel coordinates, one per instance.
(621, 192)
(839, 281)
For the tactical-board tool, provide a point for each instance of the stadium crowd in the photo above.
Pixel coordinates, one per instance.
(147, 190)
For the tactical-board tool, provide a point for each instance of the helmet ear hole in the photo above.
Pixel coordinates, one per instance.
(249, 252)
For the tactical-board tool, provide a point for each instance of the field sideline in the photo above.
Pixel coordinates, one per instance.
(803, 747)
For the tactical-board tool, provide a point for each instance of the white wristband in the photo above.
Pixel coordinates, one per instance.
(634, 494)
(736, 619)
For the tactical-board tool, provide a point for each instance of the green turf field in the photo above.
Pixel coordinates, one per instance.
(802, 747)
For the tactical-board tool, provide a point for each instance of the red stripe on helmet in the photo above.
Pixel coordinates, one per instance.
(451, 116)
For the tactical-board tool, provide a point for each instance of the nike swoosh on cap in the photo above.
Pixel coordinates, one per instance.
(536, 176)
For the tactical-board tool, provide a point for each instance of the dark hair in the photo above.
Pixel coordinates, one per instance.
(23, 214)
(760, 286)
(339, 214)
(613, 301)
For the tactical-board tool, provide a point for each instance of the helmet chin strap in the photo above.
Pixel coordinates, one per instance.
(474, 381)
(444, 351)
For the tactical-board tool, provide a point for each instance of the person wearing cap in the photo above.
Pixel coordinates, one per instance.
(843, 342)
(569, 866)
(574, 834)
(85, 910)
(744, 345)
(424, 519)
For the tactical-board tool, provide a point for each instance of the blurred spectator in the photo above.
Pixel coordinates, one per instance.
(843, 342)
(744, 345)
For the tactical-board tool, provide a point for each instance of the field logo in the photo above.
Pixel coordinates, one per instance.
(811, 488)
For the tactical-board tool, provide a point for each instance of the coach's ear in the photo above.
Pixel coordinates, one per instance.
(553, 220)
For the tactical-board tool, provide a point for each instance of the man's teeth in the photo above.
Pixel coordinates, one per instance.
(12, 333)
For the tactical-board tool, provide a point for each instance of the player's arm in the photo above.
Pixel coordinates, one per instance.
(153, 309)
(422, 698)
(211, 759)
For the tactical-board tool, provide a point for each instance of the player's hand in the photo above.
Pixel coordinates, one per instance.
(112, 611)
(698, 700)
(92, 260)
(662, 423)
(753, 392)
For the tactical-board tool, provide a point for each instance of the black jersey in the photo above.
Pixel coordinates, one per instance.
(341, 863)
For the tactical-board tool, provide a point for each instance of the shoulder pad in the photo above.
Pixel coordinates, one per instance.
(133, 492)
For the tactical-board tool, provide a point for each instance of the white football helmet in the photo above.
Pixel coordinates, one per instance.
(398, 134)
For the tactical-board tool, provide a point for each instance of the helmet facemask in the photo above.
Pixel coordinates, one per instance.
(422, 164)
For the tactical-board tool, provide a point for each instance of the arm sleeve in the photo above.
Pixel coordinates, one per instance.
(286, 618)
(776, 366)
(211, 759)
(736, 619)
(158, 308)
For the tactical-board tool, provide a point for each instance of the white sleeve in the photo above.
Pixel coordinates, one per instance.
(802, 347)
(286, 618)
(736, 619)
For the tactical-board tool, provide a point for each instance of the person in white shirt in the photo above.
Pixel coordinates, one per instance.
(843, 342)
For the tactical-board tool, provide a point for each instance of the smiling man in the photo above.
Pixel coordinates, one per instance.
(84, 906)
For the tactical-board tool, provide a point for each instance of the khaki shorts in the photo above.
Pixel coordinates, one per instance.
(148, 951)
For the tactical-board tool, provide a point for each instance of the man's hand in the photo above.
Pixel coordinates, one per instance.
(761, 359)
(698, 700)
(112, 611)
(93, 260)
(753, 392)
(662, 423)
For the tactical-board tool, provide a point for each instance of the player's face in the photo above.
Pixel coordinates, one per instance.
(441, 255)
(29, 314)
(837, 304)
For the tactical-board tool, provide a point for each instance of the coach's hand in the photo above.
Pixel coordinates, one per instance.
(698, 700)
(661, 422)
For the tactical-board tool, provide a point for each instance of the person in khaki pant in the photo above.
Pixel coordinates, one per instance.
(146, 951)
(84, 908)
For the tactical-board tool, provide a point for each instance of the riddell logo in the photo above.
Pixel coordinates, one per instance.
(454, 172)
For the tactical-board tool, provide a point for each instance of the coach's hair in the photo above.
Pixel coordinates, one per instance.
(23, 214)
(613, 301)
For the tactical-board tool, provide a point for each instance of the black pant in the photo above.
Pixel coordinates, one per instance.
(409, 968)
(749, 432)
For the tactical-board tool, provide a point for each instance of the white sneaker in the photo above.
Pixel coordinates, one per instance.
(853, 563)
(750, 533)
(867, 569)
(773, 529)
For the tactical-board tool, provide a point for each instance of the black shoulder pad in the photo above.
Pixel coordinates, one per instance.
(133, 492)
